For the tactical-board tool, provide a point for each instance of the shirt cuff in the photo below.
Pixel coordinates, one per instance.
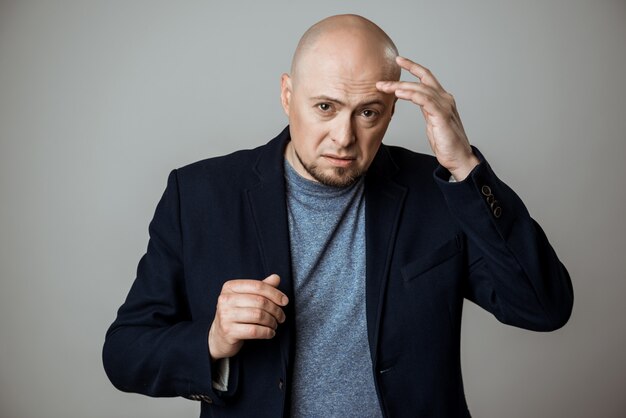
(222, 372)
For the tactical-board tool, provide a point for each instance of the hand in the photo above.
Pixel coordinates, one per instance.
(443, 124)
(246, 309)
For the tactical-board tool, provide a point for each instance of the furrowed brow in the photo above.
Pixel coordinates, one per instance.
(324, 98)
(327, 99)
(373, 102)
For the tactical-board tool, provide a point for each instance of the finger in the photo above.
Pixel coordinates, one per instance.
(414, 92)
(247, 301)
(238, 332)
(254, 316)
(391, 86)
(428, 103)
(419, 71)
(257, 287)
(273, 280)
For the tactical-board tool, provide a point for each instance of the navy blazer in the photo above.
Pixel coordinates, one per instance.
(430, 244)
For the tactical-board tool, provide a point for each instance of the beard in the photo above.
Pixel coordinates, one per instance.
(339, 177)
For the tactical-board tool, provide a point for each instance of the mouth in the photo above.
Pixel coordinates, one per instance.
(339, 161)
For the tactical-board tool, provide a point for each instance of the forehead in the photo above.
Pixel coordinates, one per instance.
(342, 77)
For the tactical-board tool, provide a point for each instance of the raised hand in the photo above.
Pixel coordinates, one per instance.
(444, 128)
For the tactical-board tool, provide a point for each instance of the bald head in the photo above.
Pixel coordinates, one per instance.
(348, 38)
(337, 115)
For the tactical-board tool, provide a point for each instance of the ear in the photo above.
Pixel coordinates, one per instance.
(285, 92)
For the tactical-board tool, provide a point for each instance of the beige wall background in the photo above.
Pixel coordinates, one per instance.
(100, 99)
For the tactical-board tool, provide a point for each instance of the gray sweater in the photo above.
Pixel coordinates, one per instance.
(333, 369)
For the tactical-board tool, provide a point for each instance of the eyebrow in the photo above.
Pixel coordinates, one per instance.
(339, 102)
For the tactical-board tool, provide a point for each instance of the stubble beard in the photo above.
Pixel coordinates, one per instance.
(341, 177)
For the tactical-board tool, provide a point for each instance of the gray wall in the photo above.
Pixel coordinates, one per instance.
(99, 100)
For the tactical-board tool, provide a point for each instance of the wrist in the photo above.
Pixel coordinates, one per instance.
(213, 353)
(461, 172)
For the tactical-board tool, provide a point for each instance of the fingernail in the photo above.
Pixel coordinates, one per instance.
(284, 300)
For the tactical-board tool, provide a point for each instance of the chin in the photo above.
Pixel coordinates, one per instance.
(337, 176)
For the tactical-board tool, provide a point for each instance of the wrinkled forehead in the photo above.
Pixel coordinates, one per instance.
(339, 79)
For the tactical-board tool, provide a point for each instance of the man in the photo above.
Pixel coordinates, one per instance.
(323, 274)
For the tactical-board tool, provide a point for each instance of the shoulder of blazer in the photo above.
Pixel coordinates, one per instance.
(240, 167)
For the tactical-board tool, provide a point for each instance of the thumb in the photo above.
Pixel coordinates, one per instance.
(273, 280)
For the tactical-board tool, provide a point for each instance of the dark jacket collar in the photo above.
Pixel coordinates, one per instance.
(269, 165)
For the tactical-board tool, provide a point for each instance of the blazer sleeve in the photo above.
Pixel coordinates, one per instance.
(154, 346)
(514, 272)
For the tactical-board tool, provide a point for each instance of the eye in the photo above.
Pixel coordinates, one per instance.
(324, 107)
(369, 113)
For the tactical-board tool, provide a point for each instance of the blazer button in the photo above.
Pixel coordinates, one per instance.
(281, 384)
(486, 190)
(497, 211)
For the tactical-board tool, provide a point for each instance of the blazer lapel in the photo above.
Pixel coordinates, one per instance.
(384, 199)
(268, 206)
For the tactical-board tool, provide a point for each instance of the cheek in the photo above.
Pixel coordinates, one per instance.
(312, 131)
(373, 148)
(304, 123)
(309, 140)
(372, 138)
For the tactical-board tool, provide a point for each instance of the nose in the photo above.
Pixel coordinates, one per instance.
(343, 132)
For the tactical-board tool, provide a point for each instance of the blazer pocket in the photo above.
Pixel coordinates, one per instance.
(431, 260)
